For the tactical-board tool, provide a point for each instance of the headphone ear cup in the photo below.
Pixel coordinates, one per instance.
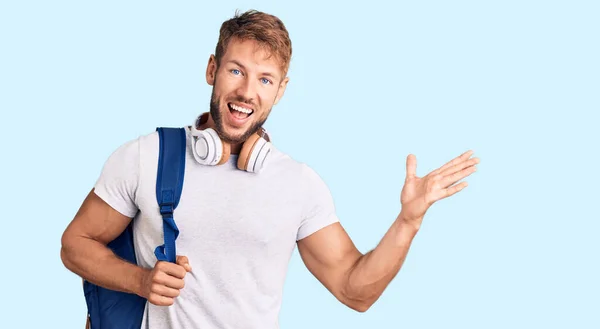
(259, 156)
(225, 152)
(208, 148)
(253, 154)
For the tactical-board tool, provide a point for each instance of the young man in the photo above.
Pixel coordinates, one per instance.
(238, 228)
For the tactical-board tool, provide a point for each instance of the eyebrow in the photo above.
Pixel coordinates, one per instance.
(244, 68)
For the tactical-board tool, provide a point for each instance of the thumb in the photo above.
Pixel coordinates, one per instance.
(411, 166)
(183, 261)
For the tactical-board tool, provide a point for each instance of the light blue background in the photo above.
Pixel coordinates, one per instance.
(516, 81)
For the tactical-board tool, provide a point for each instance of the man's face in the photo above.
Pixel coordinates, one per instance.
(246, 85)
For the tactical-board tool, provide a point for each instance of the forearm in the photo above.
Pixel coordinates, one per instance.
(372, 272)
(96, 263)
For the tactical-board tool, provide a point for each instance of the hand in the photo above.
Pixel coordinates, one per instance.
(419, 193)
(161, 285)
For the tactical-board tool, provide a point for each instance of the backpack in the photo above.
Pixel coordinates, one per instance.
(108, 309)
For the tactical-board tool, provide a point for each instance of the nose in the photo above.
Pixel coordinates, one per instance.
(247, 90)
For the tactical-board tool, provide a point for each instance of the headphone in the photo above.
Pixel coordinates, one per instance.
(209, 149)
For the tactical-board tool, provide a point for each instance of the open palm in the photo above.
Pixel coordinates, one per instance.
(419, 193)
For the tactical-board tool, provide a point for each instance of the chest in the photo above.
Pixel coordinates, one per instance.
(227, 212)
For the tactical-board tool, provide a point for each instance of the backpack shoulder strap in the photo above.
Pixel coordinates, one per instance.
(169, 183)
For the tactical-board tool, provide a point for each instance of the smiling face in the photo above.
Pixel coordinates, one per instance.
(247, 82)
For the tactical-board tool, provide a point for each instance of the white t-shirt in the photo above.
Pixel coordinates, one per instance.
(238, 230)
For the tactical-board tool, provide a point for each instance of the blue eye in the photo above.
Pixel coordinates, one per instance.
(235, 71)
(265, 81)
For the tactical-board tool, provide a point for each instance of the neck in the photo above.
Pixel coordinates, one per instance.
(236, 148)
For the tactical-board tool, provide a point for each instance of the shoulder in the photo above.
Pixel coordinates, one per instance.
(311, 193)
(131, 150)
(125, 160)
(118, 183)
(284, 165)
(145, 147)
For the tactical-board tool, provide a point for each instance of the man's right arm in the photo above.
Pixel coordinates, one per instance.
(85, 253)
(105, 213)
(84, 250)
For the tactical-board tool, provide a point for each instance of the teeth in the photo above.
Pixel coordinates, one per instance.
(241, 109)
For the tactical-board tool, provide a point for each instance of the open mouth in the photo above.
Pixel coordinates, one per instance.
(239, 112)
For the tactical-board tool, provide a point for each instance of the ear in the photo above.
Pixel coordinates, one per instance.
(211, 70)
(281, 90)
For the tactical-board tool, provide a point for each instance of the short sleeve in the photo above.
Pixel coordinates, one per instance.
(118, 181)
(319, 209)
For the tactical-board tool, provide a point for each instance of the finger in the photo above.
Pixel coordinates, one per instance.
(455, 189)
(165, 291)
(454, 161)
(411, 165)
(453, 178)
(159, 300)
(165, 279)
(460, 166)
(183, 261)
(172, 269)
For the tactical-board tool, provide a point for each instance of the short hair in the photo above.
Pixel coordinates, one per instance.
(268, 30)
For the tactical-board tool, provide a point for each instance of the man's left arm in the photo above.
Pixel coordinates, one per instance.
(358, 280)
